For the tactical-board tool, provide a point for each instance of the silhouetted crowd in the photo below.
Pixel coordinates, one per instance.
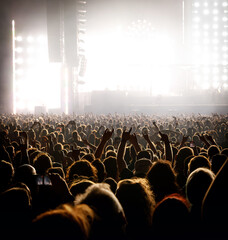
(113, 176)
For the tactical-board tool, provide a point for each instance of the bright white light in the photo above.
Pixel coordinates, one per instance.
(30, 39)
(224, 48)
(19, 50)
(19, 60)
(224, 34)
(196, 19)
(215, 70)
(37, 81)
(215, 26)
(215, 19)
(41, 39)
(196, 4)
(206, 11)
(215, 4)
(19, 71)
(205, 86)
(30, 50)
(224, 19)
(215, 11)
(224, 78)
(196, 34)
(205, 4)
(206, 41)
(224, 4)
(206, 26)
(19, 38)
(215, 41)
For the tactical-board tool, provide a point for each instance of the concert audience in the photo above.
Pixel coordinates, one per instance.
(113, 176)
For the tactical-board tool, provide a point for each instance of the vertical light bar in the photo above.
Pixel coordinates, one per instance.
(14, 79)
(183, 19)
(66, 89)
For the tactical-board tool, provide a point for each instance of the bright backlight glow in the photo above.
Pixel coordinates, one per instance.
(37, 81)
(139, 59)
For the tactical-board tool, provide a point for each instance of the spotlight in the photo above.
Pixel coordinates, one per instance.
(19, 60)
(19, 38)
(30, 39)
(19, 50)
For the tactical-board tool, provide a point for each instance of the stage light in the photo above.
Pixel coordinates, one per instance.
(19, 71)
(215, 41)
(196, 19)
(224, 78)
(224, 4)
(30, 39)
(215, 26)
(215, 70)
(30, 50)
(19, 38)
(19, 50)
(215, 11)
(196, 4)
(19, 60)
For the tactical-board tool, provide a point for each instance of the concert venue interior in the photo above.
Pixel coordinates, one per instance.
(114, 56)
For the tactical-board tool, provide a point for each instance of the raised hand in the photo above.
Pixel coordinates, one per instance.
(107, 134)
(164, 137)
(126, 135)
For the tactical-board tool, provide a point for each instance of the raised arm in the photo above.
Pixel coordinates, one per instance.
(121, 151)
(134, 142)
(106, 136)
(168, 148)
(151, 144)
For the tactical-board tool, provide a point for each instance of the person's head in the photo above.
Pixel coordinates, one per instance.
(6, 175)
(58, 170)
(81, 168)
(111, 219)
(111, 167)
(101, 171)
(42, 163)
(112, 184)
(15, 208)
(181, 155)
(89, 156)
(225, 151)
(25, 174)
(162, 179)
(110, 153)
(217, 161)
(144, 154)
(142, 167)
(58, 147)
(80, 186)
(65, 222)
(60, 138)
(212, 150)
(171, 217)
(198, 161)
(197, 185)
(138, 203)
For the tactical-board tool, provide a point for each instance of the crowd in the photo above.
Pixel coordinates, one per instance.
(114, 176)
